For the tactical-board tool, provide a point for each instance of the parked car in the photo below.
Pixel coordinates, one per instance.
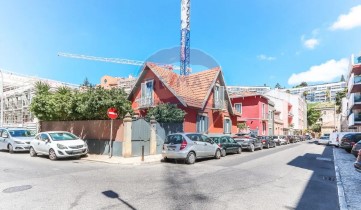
(267, 141)
(357, 164)
(291, 139)
(335, 138)
(349, 140)
(58, 144)
(356, 148)
(15, 139)
(280, 140)
(308, 137)
(248, 142)
(226, 143)
(190, 146)
(325, 140)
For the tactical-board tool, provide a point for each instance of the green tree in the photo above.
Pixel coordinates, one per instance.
(42, 102)
(86, 83)
(241, 126)
(316, 128)
(339, 96)
(278, 86)
(166, 113)
(342, 78)
(312, 116)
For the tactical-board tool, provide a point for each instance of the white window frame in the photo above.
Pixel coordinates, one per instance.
(236, 108)
(145, 99)
(227, 127)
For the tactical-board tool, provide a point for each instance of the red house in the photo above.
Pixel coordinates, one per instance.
(253, 108)
(202, 96)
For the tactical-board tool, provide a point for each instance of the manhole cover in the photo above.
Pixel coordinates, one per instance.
(17, 188)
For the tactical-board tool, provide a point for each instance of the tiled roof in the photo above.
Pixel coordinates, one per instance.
(193, 89)
(245, 94)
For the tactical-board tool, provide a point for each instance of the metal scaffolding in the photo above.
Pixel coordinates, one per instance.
(16, 91)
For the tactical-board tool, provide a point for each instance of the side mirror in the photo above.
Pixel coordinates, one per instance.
(47, 140)
(5, 135)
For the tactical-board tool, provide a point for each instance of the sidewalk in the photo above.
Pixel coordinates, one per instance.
(122, 160)
(348, 180)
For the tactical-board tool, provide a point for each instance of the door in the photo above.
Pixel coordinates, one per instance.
(233, 144)
(198, 144)
(5, 139)
(209, 149)
(225, 144)
(43, 145)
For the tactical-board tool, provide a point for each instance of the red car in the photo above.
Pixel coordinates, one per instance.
(357, 164)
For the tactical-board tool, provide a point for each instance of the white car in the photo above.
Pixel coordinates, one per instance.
(324, 140)
(15, 139)
(58, 144)
(280, 140)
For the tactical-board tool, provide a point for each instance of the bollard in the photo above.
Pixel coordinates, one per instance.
(143, 153)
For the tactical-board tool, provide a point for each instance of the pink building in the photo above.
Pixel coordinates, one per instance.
(253, 109)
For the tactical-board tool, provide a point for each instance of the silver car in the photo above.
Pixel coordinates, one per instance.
(189, 146)
(15, 139)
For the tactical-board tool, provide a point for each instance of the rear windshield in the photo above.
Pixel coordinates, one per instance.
(174, 139)
(21, 133)
(63, 136)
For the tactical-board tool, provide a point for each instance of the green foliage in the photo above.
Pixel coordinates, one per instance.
(312, 116)
(303, 84)
(241, 126)
(316, 128)
(339, 96)
(67, 104)
(278, 86)
(342, 78)
(166, 113)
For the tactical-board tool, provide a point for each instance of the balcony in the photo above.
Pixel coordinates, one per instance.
(355, 84)
(264, 117)
(354, 119)
(354, 101)
(146, 102)
(356, 65)
(290, 115)
(219, 104)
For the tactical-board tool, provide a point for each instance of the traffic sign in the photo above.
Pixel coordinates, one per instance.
(112, 113)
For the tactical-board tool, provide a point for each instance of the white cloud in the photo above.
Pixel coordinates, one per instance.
(266, 58)
(311, 43)
(348, 21)
(325, 72)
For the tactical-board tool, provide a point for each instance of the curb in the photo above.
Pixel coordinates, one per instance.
(341, 193)
(120, 163)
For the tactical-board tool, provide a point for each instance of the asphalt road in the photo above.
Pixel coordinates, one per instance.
(296, 176)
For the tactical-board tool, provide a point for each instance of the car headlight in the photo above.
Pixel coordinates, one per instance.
(85, 145)
(60, 146)
(19, 142)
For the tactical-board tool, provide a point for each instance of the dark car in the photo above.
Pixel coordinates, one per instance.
(291, 139)
(248, 142)
(356, 148)
(357, 164)
(226, 143)
(349, 140)
(267, 141)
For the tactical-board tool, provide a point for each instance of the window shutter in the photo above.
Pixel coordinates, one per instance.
(143, 90)
(221, 96)
(197, 124)
(206, 124)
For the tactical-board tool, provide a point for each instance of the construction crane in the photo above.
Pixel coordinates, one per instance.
(185, 38)
(115, 60)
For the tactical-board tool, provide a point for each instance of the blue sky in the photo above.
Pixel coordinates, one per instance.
(255, 41)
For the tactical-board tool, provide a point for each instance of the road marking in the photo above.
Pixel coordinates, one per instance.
(325, 159)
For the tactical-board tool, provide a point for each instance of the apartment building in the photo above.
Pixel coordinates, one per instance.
(354, 94)
(126, 83)
(319, 93)
(234, 90)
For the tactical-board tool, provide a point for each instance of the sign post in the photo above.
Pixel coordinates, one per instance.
(112, 114)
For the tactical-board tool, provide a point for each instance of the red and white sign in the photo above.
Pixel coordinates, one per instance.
(112, 113)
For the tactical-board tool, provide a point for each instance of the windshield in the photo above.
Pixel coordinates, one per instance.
(63, 136)
(21, 133)
(173, 139)
(324, 137)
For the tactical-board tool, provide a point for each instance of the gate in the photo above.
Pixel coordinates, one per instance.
(164, 129)
(140, 137)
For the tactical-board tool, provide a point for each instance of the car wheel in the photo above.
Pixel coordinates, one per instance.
(52, 155)
(191, 158)
(239, 151)
(32, 152)
(218, 154)
(251, 149)
(223, 153)
(11, 148)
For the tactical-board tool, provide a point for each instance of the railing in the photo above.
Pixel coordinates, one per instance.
(350, 83)
(219, 104)
(357, 98)
(357, 60)
(357, 117)
(146, 102)
(357, 79)
(290, 114)
(351, 100)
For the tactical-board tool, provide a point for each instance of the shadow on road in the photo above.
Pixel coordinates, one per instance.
(321, 190)
(114, 195)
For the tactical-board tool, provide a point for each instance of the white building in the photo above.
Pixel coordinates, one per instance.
(253, 89)
(319, 93)
(354, 94)
(297, 108)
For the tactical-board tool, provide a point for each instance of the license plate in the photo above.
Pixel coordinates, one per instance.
(77, 152)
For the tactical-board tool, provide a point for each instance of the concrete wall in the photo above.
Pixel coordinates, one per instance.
(95, 132)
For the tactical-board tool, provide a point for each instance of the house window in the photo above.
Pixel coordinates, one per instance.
(227, 126)
(202, 124)
(238, 107)
(219, 97)
(147, 93)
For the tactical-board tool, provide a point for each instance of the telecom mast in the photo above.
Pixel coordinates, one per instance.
(185, 37)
